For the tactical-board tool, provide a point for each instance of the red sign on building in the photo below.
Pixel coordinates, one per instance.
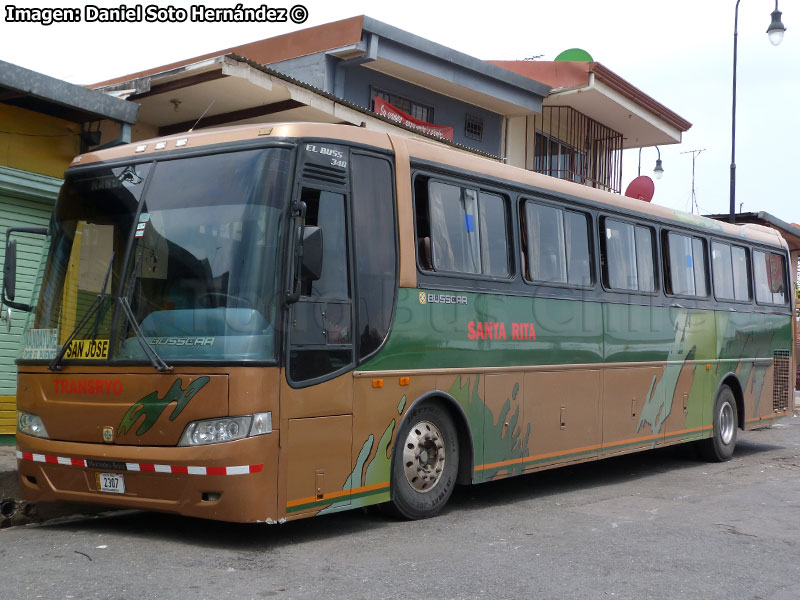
(384, 109)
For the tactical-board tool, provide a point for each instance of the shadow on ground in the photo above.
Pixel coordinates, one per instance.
(244, 537)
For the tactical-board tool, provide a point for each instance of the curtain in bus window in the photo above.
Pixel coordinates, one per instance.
(620, 255)
(469, 203)
(699, 261)
(741, 274)
(722, 270)
(454, 228)
(681, 264)
(576, 238)
(776, 279)
(494, 235)
(644, 259)
(769, 271)
(761, 266)
(545, 232)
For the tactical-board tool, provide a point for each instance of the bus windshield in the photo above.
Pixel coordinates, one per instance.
(192, 245)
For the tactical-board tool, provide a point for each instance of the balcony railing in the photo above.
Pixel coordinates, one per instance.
(570, 145)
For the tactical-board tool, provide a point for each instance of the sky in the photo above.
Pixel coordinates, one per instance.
(678, 52)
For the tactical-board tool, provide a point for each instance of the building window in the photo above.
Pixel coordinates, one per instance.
(558, 159)
(415, 109)
(473, 127)
(569, 145)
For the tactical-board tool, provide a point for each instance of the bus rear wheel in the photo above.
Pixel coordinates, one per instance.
(424, 463)
(719, 447)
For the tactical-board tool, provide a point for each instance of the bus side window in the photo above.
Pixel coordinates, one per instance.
(321, 340)
(685, 265)
(461, 229)
(629, 260)
(555, 245)
(375, 250)
(326, 210)
(770, 274)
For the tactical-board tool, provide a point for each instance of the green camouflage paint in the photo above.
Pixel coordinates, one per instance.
(437, 335)
(151, 406)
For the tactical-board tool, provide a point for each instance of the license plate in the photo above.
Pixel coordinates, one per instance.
(111, 483)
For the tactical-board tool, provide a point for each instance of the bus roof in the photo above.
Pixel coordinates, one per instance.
(432, 152)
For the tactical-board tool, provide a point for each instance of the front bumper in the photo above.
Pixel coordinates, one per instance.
(231, 481)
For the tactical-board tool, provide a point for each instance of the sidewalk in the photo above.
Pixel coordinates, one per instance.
(16, 511)
(11, 509)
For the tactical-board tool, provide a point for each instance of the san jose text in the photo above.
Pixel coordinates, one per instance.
(150, 13)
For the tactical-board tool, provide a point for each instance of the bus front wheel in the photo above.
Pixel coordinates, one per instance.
(424, 463)
(719, 447)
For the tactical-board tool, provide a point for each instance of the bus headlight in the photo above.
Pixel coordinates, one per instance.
(31, 425)
(225, 429)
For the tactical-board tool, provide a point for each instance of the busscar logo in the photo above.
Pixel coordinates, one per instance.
(425, 298)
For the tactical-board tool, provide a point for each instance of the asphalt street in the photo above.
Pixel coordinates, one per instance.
(660, 524)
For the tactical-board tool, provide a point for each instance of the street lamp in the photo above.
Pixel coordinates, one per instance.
(776, 29)
(775, 32)
(658, 171)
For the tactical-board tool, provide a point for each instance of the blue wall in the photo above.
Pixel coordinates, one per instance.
(321, 71)
(446, 110)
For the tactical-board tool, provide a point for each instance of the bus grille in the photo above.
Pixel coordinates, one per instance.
(780, 385)
(325, 173)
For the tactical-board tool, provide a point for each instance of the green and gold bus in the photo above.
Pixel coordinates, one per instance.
(270, 322)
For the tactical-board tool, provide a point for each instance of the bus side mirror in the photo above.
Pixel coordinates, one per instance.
(10, 271)
(312, 253)
(9, 290)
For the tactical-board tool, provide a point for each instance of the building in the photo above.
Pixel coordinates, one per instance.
(568, 118)
(44, 123)
(590, 115)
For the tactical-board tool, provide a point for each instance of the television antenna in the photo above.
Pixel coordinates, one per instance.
(695, 154)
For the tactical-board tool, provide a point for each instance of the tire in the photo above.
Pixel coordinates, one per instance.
(424, 463)
(719, 447)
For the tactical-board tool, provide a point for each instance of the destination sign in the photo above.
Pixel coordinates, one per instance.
(40, 344)
(87, 349)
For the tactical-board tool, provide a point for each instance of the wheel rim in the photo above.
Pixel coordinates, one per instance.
(727, 423)
(423, 456)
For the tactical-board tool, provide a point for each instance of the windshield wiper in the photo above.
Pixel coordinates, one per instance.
(149, 351)
(94, 307)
